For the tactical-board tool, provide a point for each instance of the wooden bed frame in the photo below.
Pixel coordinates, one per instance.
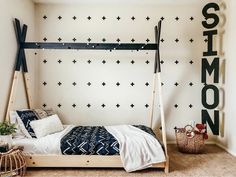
(92, 161)
(85, 160)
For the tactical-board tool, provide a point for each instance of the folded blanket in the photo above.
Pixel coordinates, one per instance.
(138, 149)
(89, 140)
(92, 140)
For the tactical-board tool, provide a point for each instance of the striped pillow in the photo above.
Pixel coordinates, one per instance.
(24, 118)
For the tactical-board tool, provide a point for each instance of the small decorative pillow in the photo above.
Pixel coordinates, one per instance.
(46, 126)
(24, 118)
(41, 113)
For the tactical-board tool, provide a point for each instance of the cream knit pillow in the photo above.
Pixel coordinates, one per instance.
(46, 126)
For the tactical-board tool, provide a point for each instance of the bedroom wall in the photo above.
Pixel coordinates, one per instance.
(81, 86)
(227, 138)
(24, 10)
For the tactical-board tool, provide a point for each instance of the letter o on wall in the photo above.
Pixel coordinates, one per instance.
(216, 96)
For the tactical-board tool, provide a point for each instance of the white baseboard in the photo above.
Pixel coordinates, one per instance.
(226, 149)
(212, 142)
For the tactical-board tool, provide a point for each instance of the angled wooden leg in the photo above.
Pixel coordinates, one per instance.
(152, 101)
(12, 94)
(167, 165)
(28, 96)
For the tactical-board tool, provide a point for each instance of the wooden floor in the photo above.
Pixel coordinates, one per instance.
(213, 162)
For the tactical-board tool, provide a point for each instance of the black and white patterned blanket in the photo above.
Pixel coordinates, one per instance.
(92, 140)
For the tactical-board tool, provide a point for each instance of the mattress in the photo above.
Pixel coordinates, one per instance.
(75, 140)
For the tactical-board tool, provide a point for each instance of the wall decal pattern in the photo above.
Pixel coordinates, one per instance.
(114, 87)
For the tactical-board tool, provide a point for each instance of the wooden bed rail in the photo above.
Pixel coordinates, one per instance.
(92, 161)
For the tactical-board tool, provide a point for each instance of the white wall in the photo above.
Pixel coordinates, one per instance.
(23, 10)
(184, 51)
(81, 72)
(227, 139)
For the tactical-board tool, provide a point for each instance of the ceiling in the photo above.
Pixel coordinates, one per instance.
(117, 1)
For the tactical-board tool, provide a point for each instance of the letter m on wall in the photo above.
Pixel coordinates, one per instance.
(210, 68)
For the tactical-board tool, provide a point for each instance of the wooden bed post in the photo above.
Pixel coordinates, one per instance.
(27, 90)
(20, 61)
(157, 81)
(163, 123)
(154, 80)
(12, 94)
(157, 70)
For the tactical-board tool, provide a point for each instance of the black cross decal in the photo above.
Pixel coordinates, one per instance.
(21, 35)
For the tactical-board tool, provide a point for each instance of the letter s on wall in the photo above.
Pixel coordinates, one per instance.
(208, 16)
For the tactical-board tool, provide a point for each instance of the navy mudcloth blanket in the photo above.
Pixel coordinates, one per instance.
(92, 140)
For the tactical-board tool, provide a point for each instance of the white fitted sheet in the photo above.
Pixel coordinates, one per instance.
(49, 144)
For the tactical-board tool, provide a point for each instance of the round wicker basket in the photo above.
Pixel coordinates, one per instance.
(194, 144)
(12, 163)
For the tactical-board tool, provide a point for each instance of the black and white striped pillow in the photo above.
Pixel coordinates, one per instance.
(24, 118)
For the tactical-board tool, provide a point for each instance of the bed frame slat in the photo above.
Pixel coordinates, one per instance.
(78, 161)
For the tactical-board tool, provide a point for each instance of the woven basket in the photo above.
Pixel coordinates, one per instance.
(12, 163)
(188, 141)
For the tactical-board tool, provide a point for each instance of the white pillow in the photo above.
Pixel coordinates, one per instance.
(46, 126)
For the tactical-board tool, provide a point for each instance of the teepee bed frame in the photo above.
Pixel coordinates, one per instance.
(38, 160)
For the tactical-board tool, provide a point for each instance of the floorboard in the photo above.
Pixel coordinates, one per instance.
(213, 162)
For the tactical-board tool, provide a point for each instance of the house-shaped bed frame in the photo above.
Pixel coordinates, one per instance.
(85, 160)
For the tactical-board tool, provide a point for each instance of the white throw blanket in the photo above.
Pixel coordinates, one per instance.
(138, 149)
